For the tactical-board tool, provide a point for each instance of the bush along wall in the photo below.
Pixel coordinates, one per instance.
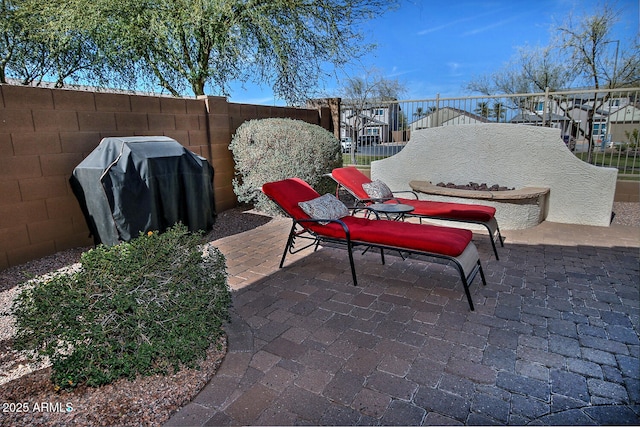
(151, 305)
(273, 149)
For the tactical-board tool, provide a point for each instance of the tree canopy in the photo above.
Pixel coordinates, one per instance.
(372, 86)
(185, 45)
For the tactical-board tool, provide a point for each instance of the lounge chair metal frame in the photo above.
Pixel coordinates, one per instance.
(491, 225)
(466, 267)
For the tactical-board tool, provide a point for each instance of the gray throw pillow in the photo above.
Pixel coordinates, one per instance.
(324, 207)
(377, 190)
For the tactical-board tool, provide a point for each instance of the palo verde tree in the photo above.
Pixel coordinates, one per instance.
(13, 35)
(201, 46)
(34, 47)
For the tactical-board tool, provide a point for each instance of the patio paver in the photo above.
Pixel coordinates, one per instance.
(553, 340)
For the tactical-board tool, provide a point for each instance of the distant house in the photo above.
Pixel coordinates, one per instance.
(611, 115)
(376, 122)
(571, 113)
(579, 114)
(553, 120)
(446, 116)
(624, 120)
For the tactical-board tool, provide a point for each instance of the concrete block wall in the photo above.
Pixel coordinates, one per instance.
(45, 133)
(627, 191)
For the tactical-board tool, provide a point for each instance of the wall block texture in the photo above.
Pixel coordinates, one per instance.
(45, 133)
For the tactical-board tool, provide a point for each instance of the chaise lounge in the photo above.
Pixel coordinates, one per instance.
(326, 219)
(355, 182)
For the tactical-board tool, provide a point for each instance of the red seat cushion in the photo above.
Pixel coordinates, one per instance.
(460, 211)
(428, 238)
(288, 192)
(420, 237)
(351, 178)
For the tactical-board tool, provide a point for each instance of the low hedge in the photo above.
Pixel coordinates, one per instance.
(148, 306)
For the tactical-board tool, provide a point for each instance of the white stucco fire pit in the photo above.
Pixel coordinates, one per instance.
(533, 160)
(526, 206)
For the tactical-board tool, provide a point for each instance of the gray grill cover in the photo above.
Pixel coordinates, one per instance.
(139, 184)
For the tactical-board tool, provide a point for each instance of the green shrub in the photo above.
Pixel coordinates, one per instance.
(148, 306)
(273, 149)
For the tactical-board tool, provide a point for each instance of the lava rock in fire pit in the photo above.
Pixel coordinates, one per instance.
(475, 186)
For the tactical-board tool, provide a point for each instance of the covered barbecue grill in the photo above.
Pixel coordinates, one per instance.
(138, 184)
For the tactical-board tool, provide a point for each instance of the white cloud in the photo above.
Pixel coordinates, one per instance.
(488, 27)
(459, 21)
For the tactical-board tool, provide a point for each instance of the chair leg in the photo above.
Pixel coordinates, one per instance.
(493, 244)
(289, 243)
(466, 291)
(465, 282)
(492, 239)
(500, 236)
(484, 281)
(351, 264)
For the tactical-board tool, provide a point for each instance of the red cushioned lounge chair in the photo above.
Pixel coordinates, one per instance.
(351, 179)
(450, 244)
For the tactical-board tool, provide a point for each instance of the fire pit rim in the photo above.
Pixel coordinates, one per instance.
(428, 187)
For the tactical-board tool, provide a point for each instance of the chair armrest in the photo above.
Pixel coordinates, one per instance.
(379, 200)
(415, 195)
(367, 208)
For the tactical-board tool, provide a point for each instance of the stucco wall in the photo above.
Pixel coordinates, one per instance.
(45, 133)
(510, 155)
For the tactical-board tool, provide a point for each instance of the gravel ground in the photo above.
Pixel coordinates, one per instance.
(626, 213)
(145, 401)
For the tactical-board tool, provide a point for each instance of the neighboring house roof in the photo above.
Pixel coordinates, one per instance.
(585, 95)
(584, 107)
(365, 117)
(445, 114)
(628, 114)
(369, 103)
(535, 118)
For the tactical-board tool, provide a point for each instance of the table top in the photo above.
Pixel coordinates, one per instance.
(391, 208)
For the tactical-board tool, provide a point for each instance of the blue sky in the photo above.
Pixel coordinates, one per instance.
(436, 47)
